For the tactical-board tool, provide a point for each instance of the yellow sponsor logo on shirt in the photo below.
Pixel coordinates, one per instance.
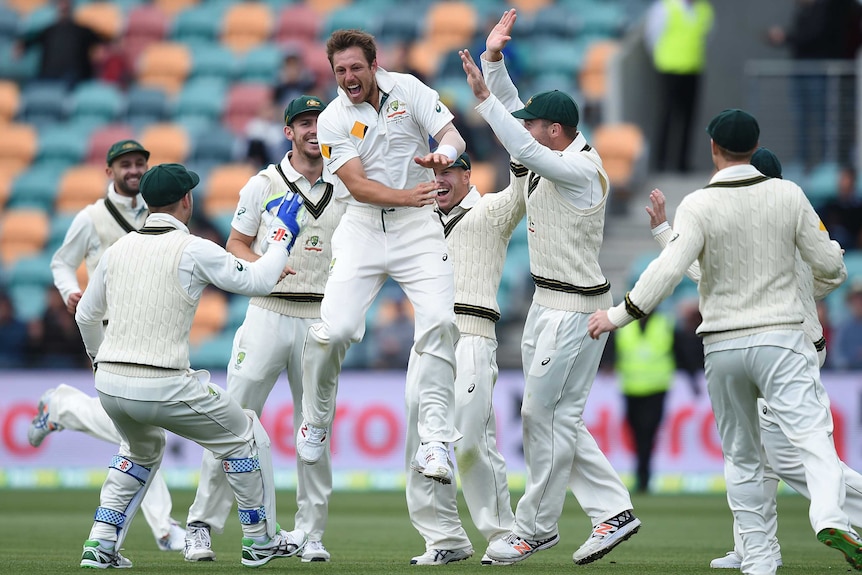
(822, 227)
(358, 130)
(326, 151)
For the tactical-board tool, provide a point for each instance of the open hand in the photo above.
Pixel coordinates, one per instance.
(474, 76)
(657, 214)
(500, 34)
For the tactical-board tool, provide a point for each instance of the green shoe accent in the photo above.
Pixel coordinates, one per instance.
(845, 542)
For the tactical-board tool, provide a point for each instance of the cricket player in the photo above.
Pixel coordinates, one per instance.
(374, 137)
(477, 231)
(566, 194)
(271, 338)
(150, 283)
(745, 229)
(782, 460)
(92, 231)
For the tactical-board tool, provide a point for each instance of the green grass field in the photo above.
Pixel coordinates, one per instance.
(368, 533)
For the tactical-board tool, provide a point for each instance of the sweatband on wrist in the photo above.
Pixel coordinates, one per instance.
(447, 150)
(660, 228)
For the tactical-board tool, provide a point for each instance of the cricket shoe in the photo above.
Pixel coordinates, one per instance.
(442, 556)
(198, 544)
(847, 542)
(175, 540)
(607, 535)
(733, 560)
(96, 556)
(432, 461)
(313, 551)
(511, 548)
(284, 544)
(310, 443)
(488, 561)
(40, 427)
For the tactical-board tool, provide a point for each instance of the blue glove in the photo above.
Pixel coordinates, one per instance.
(288, 221)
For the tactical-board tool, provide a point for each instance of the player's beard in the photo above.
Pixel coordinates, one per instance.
(124, 189)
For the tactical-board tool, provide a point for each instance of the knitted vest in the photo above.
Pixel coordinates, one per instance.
(477, 242)
(564, 243)
(151, 315)
(300, 295)
(108, 228)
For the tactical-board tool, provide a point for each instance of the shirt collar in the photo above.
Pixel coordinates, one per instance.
(126, 201)
(162, 219)
(735, 172)
(578, 143)
(467, 202)
(293, 176)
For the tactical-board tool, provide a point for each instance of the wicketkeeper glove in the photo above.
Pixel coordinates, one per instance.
(289, 217)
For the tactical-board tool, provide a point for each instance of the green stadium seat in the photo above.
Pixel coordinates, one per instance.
(31, 270)
(398, 26)
(216, 146)
(261, 64)
(59, 226)
(35, 188)
(822, 183)
(202, 98)
(236, 312)
(63, 143)
(213, 60)
(146, 106)
(28, 302)
(9, 22)
(212, 353)
(44, 102)
(350, 16)
(97, 100)
(197, 24)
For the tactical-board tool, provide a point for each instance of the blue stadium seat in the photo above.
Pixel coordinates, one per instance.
(32, 270)
(554, 55)
(202, 98)
(29, 303)
(9, 22)
(59, 226)
(216, 146)
(197, 24)
(212, 353)
(261, 64)
(398, 26)
(213, 60)
(554, 21)
(822, 183)
(99, 101)
(236, 312)
(35, 188)
(12, 67)
(350, 16)
(45, 102)
(146, 106)
(63, 143)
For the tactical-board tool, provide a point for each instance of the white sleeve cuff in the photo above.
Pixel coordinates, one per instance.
(448, 150)
(660, 228)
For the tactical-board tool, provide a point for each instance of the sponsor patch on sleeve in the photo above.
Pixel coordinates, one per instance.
(358, 130)
(326, 151)
(822, 227)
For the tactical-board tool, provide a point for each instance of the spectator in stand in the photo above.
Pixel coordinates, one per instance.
(56, 342)
(848, 335)
(66, 47)
(294, 80)
(264, 136)
(818, 30)
(13, 335)
(687, 345)
(842, 215)
(393, 333)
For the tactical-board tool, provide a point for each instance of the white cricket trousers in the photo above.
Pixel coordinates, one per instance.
(195, 409)
(782, 367)
(266, 344)
(481, 467)
(368, 245)
(73, 409)
(560, 363)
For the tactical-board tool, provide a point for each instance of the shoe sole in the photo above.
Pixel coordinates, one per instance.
(841, 540)
(510, 561)
(314, 560)
(200, 559)
(605, 550)
(445, 478)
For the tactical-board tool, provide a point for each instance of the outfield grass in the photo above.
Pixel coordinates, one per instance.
(369, 533)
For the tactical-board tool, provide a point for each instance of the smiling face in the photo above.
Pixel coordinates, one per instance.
(540, 130)
(126, 172)
(453, 184)
(355, 75)
(303, 133)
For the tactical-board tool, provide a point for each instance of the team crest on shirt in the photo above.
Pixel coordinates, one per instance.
(213, 391)
(314, 244)
(396, 111)
(240, 357)
(331, 265)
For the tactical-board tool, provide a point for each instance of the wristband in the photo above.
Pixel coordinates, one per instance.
(448, 151)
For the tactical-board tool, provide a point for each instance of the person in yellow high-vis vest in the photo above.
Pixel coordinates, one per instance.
(676, 34)
(645, 368)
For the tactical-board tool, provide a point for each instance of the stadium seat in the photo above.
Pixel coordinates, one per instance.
(326, 6)
(23, 232)
(450, 25)
(44, 102)
(606, 19)
(821, 184)
(103, 138)
(80, 186)
(297, 23)
(261, 64)
(196, 24)
(592, 78)
(246, 25)
(314, 56)
(213, 60)
(164, 65)
(21, 68)
(215, 146)
(529, 6)
(25, 7)
(146, 24)
(555, 55)
(106, 18)
(244, 102)
(146, 105)
(32, 270)
(201, 98)
(9, 20)
(174, 7)
(621, 147)
(6, 178)
(167, 142)
(223, 186)
(18, 146)
(60, 224)
(213, 352)
(63, 144)
(350, 16)
(10, 101)
(554, 21)
(398, 26)
(210, 316)
(100, 101)
(237, 309)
